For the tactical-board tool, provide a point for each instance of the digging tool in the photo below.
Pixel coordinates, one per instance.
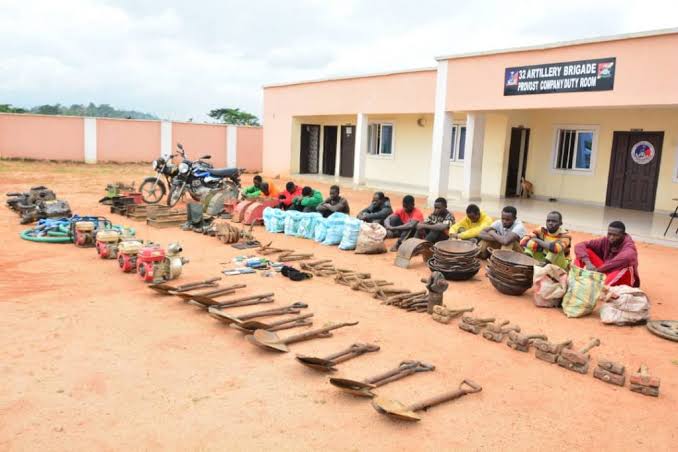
(250, 326)
(239, 319)
(210, 302)
(272, 341)
(327, 363)
(397, 410)
(522, 342)
(166, 289)
(577, 361)
(610, 372)
(549, 352)
(443, 314)
(209, 293)
(496, 331)
(643, 383)
(363, 388)
(239, 304)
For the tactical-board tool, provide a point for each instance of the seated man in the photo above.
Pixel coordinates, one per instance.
(308, 201)
(437, 225)
(287, 196)
(259, 189)
(403, 223)
(378, 211)
(614, 255)
(334, 203)
(505, 233)
(471, 225)
(549, 244)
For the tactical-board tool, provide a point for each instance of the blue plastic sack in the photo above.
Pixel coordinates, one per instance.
(349, 238)
(307, 224)
(335, 228)
(292, 219)
(276, 221)
(320, 230)
(268, 216)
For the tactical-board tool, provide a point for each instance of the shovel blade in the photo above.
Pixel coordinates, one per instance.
(266, 339)
(394, 409)
(316, 363)
(357, 388)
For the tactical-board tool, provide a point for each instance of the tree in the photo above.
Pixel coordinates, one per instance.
(234, 116)
(7, 108)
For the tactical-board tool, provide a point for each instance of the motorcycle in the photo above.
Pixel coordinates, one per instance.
(199, 178)
(153, 188)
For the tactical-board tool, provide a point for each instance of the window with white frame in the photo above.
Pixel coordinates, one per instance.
(574, 149)
(458, 143)
(380, 139)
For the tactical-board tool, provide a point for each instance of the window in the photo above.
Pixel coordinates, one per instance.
(458, 143)
(574, 149)
(380, 139)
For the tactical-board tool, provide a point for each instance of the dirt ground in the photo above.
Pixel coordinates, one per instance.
(90, 359)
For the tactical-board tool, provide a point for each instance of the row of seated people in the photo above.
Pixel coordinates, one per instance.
(615, 255)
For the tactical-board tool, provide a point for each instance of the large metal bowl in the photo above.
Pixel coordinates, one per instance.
(514, 258)
(453, 247)
(505, 288)
(457, 274)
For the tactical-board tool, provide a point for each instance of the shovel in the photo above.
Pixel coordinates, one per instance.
(209, 293)
(165, 289)
(226, 318)
(292, 322)
(397, 410)
(363, 388)
(327, 363)
(272, 341)
(233, 302)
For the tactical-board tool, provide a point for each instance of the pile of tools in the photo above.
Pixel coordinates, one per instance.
(38, 203)
(510, 272)
(457, 260)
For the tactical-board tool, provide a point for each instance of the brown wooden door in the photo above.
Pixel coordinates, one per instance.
(634, 170)
(329, 149)
(517, 164)
(309, 151)
(347, 151)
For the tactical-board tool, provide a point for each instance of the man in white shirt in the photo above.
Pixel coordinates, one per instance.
(503, 234)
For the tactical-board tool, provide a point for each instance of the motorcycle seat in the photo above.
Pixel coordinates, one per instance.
(223, 172)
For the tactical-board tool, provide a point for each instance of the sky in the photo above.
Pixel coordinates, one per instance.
(179, 59)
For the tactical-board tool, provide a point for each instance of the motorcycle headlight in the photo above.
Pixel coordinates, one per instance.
(183, 168)
(154, 164)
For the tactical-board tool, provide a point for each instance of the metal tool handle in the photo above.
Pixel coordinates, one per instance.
(351, 352)
(477, 321)
(242, 303)
(194, 285)
(594, 343)
(289, 325)
(472, 387)
(315, 333)
(404, 369)
(270, 312)
(238, 300)
(288, 320)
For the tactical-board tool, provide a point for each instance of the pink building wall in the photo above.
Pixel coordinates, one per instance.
(124, 140)
(250, 144)
(201, 139)
(476, 82)
(42, 137)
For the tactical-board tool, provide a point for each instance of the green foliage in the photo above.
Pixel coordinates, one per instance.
(100, 111)
(234, 116)
(7, 108)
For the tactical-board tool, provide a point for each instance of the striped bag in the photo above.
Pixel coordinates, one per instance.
(583, 289)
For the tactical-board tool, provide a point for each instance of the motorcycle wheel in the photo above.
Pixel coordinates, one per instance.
(152, 190)
(175, 195)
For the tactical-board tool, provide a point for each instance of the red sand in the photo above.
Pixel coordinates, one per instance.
(91, 359)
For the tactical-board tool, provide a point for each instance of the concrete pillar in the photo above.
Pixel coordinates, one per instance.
(337, 165)
(232, 146)
(165, 138)
(442, 135)
(90, 140)
(360, 156)
(473, 156)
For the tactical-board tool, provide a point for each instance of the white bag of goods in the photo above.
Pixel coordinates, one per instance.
(335, 228)
(292, 219)
(320, 230)
(624, 305)
(351, 232)
(371, 239)
(307, 224)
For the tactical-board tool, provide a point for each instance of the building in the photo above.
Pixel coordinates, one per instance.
(593, 122)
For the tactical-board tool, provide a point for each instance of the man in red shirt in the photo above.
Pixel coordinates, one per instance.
(287, 196)
(403, 222)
